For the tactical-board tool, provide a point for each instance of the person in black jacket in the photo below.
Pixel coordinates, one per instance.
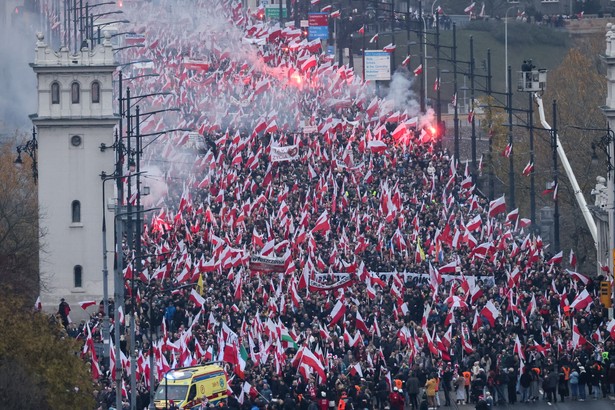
(525, 381)
(413, 388)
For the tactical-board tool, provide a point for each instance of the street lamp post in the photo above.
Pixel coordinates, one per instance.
(30, 148)
(506, 45)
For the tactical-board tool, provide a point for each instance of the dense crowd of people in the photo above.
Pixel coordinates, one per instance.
(316, 219)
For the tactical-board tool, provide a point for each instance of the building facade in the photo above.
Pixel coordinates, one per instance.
(74, 117)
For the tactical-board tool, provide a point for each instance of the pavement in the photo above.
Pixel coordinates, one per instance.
(590, 404)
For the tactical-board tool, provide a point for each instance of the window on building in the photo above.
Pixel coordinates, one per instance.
(76, 211)
(74, 92)
(78, 276)
(55, 93)
(95, 92)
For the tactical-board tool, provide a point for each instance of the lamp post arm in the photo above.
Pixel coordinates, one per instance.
(589, 220)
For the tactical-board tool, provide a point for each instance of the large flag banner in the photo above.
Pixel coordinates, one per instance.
(267, 264)
(280, 154)
(343, 282)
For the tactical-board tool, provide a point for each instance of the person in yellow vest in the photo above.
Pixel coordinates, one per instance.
(430, 391)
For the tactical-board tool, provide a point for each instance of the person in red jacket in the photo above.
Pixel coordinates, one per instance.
(396, 400)
(323, 403)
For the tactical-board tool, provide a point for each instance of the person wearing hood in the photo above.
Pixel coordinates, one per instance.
(574, 384)
(583, 380)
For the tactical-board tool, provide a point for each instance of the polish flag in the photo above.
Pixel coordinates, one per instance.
(335, 14)
(322, 223)
(377, 146)
(406, 61)
(360, 324)
(524, 222)
(86, 304)
(490, 312)
(557, 258)
(448, 268)
(196, 298)
(610, 327)
(474, 224)
(577, 337)
(338, 311)
(268, 248)
(528, 169)
(361, 30)
(497, 206)
(326, 9)
(418, 70)
(38, 306)
(513, 215)
(309, 63)
(373, 39)
(507, 151)
(583, 300)
(469, 9)
(578, 277)
(389, 48)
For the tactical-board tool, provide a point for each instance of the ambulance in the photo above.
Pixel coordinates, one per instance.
(187, 386)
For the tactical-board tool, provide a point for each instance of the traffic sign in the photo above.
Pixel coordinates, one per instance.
(377, 65)
(272, 11)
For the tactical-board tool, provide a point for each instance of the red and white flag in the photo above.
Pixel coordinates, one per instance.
(610, 327)
(578, 277)
(528, 169)
(361, 30)
(406, 61)
(583, 300)
(557, 258)
(490, 312)
(86, 304)
(338, 311)
(373, 39)
(470, 8)
(377, 146)
(419, 70)
(513, 215)
(507, 151)
(322, 223)
(577, 337)
(38, 306)
(335, 14)
(497, 206)
(389, 48)
(196, 298)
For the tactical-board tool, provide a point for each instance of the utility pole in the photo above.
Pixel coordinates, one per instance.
(511, 163)
(474, 167)
(555, 181)
(438, 96)
(491, 170)
(532, 173)
(456, 114)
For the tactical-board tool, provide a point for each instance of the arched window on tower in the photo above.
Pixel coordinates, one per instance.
(55, 92)
(74, 92)
(95, 92)
(76, 211)
(78, 276)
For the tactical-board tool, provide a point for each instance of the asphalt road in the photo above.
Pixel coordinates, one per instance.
(602, 404)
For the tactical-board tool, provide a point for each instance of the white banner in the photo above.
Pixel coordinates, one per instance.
(289, 153)
(408, 276)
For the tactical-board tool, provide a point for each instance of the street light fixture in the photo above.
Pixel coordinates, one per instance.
(30, 148)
